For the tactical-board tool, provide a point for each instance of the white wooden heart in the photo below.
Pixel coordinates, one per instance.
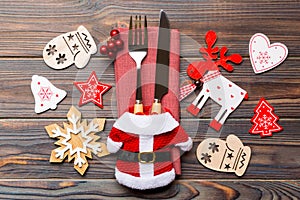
(265, 56)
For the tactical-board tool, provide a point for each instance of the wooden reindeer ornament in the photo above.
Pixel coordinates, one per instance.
(215, 86)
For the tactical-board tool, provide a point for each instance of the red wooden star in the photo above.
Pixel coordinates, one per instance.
(92, 90)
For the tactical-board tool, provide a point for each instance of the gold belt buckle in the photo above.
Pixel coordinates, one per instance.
(144, 161)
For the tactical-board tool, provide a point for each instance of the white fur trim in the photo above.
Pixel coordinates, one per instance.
(185, 146)
(145, 183)
(112, 146)
(146, 124)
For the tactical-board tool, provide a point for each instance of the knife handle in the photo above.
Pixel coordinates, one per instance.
(138, 107)
(156, 107)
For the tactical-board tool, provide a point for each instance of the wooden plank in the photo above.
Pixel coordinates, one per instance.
(184, 189)
(25, 150)
(279, 86)
(27, 27)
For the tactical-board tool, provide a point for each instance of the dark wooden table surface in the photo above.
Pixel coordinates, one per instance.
(27, 26)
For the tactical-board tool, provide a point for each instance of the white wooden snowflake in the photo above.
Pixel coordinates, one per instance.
(77, 140)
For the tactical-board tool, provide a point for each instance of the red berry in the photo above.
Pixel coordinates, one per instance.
(111, 45)
(111, 55)
(119, 43)
(103, 49)
(114, 34)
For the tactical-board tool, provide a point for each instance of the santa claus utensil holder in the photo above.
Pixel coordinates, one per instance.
(147, 145)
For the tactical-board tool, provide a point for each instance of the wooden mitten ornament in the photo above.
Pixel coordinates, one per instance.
(265, 56)
(72, 47)
(46, 95)
(215, 86)
(224, 156)
(77, 140)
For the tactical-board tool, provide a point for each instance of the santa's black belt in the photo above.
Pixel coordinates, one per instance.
(144, 157)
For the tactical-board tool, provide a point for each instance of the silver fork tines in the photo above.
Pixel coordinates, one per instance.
(137, 43)
(138, 47)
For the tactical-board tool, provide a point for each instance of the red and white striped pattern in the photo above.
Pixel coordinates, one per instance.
(211, 76)
(186, 90)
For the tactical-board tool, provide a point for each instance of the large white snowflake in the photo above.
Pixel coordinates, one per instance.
(265, 121)
(77, 140)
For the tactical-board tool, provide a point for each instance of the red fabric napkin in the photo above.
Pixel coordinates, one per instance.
(125, 74)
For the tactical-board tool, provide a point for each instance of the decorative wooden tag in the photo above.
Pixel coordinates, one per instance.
(77, 140)
(224, 156)
(45, 94)
(265, 56)
(72, 47)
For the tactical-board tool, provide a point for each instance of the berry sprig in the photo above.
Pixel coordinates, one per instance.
(113, 45)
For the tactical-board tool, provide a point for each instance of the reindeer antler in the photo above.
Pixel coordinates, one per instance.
(197, 69)
(211, 54)
(235, 58)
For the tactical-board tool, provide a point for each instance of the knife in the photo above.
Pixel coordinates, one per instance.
(162, 63)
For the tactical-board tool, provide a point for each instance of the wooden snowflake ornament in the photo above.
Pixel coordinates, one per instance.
(77, 140)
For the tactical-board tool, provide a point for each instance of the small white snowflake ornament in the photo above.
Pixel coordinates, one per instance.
(45, 94)
(77, 140)
(265, 56)
(72, 47)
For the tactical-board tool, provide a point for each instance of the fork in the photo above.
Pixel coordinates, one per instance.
(138, 51)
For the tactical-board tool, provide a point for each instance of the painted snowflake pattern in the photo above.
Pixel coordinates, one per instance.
(213, 147)
(206, 157)
(265, 121)
(61, 58)
(45, 93)
(263, 57)
(92, 91)
(77, 140)
(51, 50)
